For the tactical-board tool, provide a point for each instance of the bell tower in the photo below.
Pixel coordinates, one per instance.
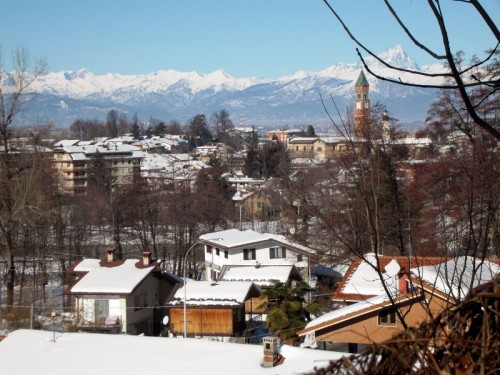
(362, 108)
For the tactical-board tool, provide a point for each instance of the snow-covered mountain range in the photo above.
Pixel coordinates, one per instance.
(168, 94)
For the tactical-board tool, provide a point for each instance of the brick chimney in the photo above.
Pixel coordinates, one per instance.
(146, 258)
(270, 351)
(111, 254)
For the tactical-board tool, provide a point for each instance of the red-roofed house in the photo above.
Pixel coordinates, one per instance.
(362, 281)
(120, 296)
(419, 292)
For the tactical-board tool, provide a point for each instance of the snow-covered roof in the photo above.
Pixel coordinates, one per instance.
(91, 149)
(132, 355)
(237, 238)
(240, 195)
(333, 139)
(457, 276)
(347, 310)
(262, 275)
(117, 279)
(362, 279)
(303, 140)
(66, 142)
(209, 294)
(365, 279)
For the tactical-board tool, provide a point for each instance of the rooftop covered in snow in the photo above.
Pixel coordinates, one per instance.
(99, 277)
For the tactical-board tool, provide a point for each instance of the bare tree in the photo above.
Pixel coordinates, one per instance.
(474, 83)
(15, 93)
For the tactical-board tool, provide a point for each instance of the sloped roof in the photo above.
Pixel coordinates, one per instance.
(362, 281)
(362, 81)
(303, 140)
(236, 238)
(207, 293)
(262, 275)
(458, 275)
(353, 311)
(100, 277)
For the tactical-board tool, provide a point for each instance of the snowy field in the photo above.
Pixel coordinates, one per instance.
(34, 352)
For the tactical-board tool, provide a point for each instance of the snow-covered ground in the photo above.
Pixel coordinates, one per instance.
(34, 352)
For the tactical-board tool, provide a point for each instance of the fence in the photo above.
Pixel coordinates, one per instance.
(37, 317)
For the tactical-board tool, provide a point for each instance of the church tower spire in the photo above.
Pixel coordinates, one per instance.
(362, 107)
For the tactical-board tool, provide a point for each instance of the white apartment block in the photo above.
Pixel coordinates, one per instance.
(72, 161)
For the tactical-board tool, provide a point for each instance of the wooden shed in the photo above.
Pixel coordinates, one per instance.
(212, 309)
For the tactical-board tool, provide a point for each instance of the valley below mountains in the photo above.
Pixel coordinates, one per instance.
(170, 95)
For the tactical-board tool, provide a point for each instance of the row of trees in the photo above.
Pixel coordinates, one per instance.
(199, 130)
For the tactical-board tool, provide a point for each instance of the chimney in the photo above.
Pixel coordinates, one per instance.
(270, 351)
(111, 254)
(146, 258)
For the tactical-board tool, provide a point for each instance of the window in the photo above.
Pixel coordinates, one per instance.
(276, 252)
(299, 257)
(140, 302)
(366, 105)
(226, 254)
(214, 274)
(209, 249)
(217, 251)
(387, 317)
(101, 309)
(358, 105)
(249, 254)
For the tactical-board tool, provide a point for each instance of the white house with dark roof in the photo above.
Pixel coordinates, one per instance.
(119, 296)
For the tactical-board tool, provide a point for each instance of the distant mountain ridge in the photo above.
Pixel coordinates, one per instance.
(167, 94)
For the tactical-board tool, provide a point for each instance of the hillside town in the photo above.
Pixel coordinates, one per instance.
(229, 235)
(301, 214)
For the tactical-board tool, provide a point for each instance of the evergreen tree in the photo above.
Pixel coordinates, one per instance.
(310, 132)
(198, 131)
(287, 309)
(135, 130)
(252, 167)
(99, 175)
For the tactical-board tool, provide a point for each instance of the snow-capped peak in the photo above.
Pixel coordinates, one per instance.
(395, 56)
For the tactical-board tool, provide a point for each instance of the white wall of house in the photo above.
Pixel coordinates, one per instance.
(132, 309)
(216, 258)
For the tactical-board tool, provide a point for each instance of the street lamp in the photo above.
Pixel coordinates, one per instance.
(185, 280)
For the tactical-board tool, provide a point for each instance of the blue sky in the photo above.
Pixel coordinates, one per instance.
(266, 38)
